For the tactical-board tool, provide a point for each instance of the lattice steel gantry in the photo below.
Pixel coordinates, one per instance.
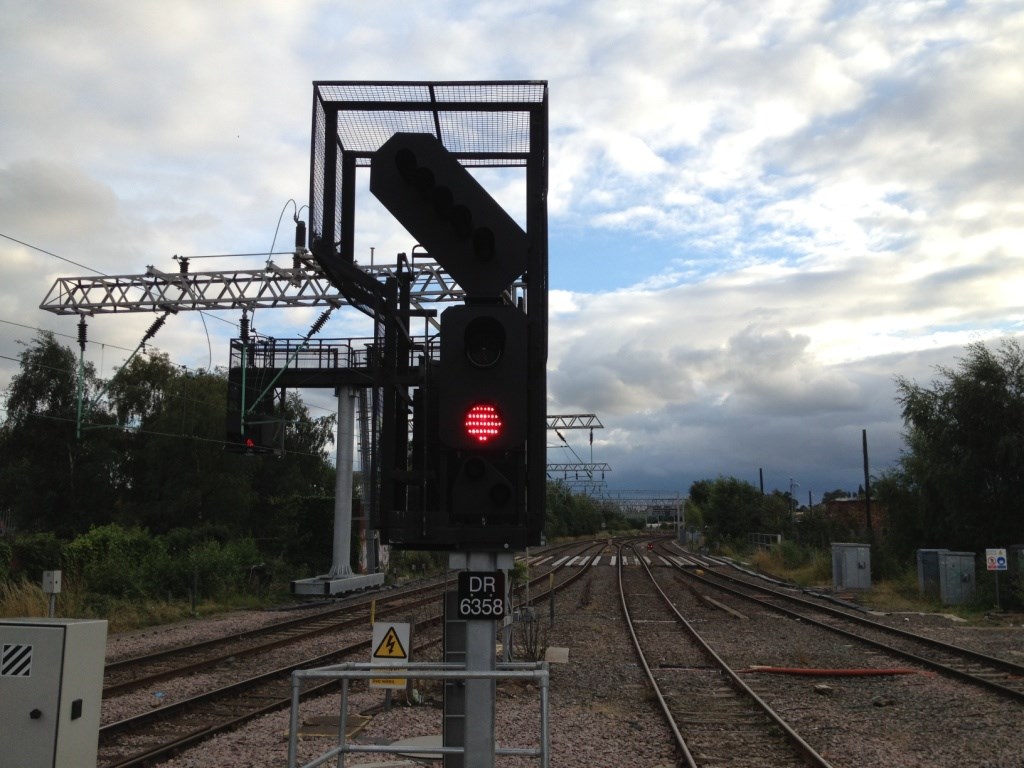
(305, 284)
(579, 475)
(575, 421)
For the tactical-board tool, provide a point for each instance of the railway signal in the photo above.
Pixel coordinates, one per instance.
(253, 426)
(482, 412)
(478, 422)
(425, 187)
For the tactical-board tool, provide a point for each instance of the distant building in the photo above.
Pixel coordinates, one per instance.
(852, 515)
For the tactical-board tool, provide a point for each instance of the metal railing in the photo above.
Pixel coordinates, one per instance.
(537, 672)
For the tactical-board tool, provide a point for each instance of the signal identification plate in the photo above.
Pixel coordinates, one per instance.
(481, 595)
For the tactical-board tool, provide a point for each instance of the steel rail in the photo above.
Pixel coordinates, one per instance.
(270, 703)
(322, 619)
(807, 753)
(320, 622)
(280, 634)
(1008, 669)
(670, 721)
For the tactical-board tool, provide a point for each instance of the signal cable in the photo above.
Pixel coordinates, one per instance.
(82, 266)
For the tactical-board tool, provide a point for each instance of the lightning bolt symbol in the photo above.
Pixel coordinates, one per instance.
(390, 643)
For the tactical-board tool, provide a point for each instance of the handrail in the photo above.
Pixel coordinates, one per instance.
(537, 672)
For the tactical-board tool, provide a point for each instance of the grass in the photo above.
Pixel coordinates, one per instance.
(23, 599)
(812, 569)
(897, 594)
(893, 596)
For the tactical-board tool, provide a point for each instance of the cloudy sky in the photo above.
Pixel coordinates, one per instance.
(760, 212)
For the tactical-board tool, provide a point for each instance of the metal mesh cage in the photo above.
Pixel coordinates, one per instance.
(490, 120)
(485, 124)
(482, 124)
(316, 167)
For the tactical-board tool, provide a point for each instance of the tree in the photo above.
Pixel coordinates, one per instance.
(150, 453)
(964, 463)
(733, 508)
(180, 474)
(572, 514)
(49, 479)
(177, 471)
(288, 487)
(700, 493)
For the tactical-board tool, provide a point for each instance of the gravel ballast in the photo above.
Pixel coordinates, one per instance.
(603, 715)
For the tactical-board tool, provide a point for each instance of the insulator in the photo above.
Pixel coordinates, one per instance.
(300, 235)
(183, 266)
(156, 326)
(320, 322)
(82, 329)
(243, 327)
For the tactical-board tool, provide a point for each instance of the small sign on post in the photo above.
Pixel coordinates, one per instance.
(51, 587)
(995, 560)
(390, 649)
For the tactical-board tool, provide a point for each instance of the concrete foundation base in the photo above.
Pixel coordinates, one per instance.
(327, 585)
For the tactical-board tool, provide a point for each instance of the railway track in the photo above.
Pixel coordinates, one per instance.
(715, 717)
(1002, 676)
(131, 674)
(154, 735)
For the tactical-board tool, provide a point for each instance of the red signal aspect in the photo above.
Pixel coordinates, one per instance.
(483, 422)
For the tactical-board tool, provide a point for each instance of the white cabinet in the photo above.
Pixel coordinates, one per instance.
(51, 687)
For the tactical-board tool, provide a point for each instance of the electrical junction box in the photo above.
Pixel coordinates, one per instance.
(51, 582)
(51, 687)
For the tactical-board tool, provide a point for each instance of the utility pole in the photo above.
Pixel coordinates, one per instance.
(867, 485)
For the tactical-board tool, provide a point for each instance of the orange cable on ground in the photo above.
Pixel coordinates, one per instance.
(811, 672)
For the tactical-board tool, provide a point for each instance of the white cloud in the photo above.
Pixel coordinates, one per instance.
(796, 200)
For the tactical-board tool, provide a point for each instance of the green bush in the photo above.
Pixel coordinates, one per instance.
(6, 561)
(414, 563)
(114, 562)
(130, 575)
(182, 565)
(109, 559)
(793, 555)
(34, 553)
(218, 569)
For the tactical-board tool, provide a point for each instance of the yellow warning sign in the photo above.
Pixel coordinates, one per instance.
(390, 647)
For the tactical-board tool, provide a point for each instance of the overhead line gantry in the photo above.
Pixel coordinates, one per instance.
(583, 473)
(304, 284)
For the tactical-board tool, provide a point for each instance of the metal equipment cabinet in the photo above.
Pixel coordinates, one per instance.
(928, 581)
(956, 577)
(51, 685)
(851, 566)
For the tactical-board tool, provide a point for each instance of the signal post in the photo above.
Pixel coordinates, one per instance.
(480, 418)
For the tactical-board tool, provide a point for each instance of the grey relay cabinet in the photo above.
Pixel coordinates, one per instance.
(956, 577)
(851, 566)
(51, 684)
